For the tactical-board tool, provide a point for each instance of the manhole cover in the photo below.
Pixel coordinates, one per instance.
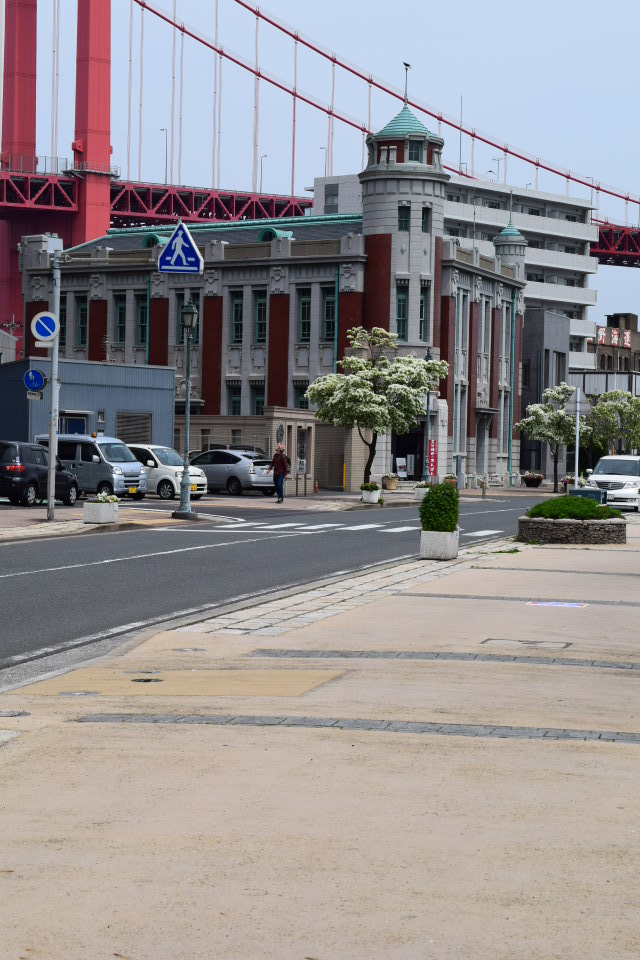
(14, 713)
(146, 680)
(142, 673)
(79, 693)
(547, 644)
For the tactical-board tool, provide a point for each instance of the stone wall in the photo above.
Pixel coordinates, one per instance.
(540, 530)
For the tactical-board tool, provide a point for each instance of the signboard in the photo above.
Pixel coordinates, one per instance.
(180, 255)
(610, 336)
(432, 458)
(33, 395)
(34, 379)
(45, 326)
(401, 467)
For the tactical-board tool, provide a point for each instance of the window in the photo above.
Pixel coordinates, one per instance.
(257, 399)
(142, 319)
(62, 317)
(234, 397)
(236, 316)
(402, 313)
(560, 367)
(536, 245)
(120, 318)
(526, 373)
(404, 218)
(426, 219)
(571, 217)
(304, 316)
(331, 198)
(535, 277)
(205, 439)
(299, 399)
(494, 205)
(260, 317)
(454, 197)
(534, 212)
(81, 321)
(424, 313)
(415, 151)
(328, 315)
(180, 300)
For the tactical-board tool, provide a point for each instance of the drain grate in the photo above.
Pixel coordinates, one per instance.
(146, 680)
(190, 649)
(14, 713)
(79, 693)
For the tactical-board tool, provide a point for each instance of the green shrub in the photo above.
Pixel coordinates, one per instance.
(572, 508)
(439, 510)
(369, 486)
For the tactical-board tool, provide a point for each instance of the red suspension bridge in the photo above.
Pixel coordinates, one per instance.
(81, 197)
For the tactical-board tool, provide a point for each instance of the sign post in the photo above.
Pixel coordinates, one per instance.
(45, 327)
(577, 406)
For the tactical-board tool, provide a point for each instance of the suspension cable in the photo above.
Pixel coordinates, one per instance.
(129, 90)
(140, 94)
(180, 108)
(215, 97)
(173, 89)
(55, 76)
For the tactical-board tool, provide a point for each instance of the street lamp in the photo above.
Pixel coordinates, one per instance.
(263, 157)
(164, 130)
(189, 321)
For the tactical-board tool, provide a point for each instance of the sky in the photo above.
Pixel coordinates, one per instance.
(551, 78)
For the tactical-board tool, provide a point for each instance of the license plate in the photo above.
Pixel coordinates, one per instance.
(194, 486)
(133, 489)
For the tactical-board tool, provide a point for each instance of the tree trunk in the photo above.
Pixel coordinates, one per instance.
(372, 452)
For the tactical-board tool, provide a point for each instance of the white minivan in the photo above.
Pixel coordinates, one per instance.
(619, 475)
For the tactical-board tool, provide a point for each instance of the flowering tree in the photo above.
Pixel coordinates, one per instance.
(547, 422)
(615, 419)
(378, 391)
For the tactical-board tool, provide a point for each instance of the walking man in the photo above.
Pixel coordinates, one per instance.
(280, 467)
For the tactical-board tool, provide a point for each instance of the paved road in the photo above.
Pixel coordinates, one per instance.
(77, 590)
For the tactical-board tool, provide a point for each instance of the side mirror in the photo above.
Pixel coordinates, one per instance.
(149, 463)
(589, 472)
(95, 458)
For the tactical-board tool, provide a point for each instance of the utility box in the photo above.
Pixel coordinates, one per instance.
(600, 496)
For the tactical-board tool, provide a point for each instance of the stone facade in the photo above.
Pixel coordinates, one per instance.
(541, 530)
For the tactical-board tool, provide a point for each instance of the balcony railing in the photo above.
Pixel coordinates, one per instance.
(52, 166)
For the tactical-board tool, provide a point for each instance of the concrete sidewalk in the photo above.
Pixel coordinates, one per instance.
(427, 761)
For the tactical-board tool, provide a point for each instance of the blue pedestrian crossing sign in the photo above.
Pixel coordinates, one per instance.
(180, 255)
(45, 326)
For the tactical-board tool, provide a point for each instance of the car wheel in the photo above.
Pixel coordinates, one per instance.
(70, 496)
(269, 492)
(105, 488)
(165, 490)
(234, 486)
(30, 495)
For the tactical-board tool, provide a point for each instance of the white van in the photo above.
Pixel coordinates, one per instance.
(101, 464)
(619, 475)
(164, 467)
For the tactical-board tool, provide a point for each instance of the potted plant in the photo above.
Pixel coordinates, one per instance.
(532, 478)
(370, 492)
(390, 481)
(568, 481)
(451, 479)
(439, 514)
(103, 508)
(420, 489)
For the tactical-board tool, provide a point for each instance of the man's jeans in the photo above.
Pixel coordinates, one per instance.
(278, 480)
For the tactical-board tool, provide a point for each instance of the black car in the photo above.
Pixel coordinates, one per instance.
(24, 469)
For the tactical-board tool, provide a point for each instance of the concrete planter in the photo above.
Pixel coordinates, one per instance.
(439, 545)
(541, 530)
(100, 513)
(370, 496)
(420, 492)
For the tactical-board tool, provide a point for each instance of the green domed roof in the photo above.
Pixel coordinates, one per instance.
(402, 125)
(509, 233)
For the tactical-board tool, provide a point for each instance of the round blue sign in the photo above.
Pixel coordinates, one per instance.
(34, 379)
(45, 326)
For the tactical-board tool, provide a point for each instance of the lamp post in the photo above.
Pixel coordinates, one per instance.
(189, 321)
(426, 472)
(164, 130)
(263, 157)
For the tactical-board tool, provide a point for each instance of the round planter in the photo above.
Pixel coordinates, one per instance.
(532, 481)
(370, 496)
(439, 545)
(99, 512)
(390, 483)
(420, 492)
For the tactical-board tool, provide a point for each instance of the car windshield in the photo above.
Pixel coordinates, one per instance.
(618, 467)
(117, 453)
(169, 457)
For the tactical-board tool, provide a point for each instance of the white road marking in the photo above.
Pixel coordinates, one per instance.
(482, 533)
(364, 526)
(416, 526)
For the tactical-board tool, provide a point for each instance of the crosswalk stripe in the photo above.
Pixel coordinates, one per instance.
(364, 526)
(482, 533)
(415, 526)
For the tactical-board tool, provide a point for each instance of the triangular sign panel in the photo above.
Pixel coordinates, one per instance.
(180, 255)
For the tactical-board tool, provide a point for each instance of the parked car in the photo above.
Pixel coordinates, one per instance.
(238, 448)
(620, 477)
(24, 475)
(101, 464)
(236, 471)
(164, 467)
